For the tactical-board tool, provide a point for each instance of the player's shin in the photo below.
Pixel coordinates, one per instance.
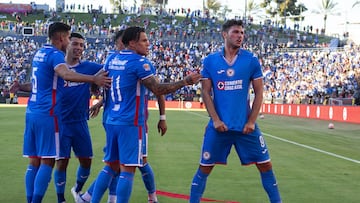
(29, 181)
(198, 186)
(270, 185)
(124, 187)
(149, 181)
(60, 183)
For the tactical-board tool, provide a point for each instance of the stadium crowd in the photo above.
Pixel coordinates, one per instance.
(311, 73)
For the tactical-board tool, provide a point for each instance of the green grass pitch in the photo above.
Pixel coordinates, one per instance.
(312, 163)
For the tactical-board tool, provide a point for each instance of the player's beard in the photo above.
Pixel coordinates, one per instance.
(235, 46)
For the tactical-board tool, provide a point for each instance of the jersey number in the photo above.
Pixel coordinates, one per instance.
(116, 94)
(34, 80)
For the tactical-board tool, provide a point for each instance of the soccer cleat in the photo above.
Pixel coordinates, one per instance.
(77, 196)
(78, 199)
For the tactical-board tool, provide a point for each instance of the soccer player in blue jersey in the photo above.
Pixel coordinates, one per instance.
(131, 74)
(109, 180)
(43, 112)
(227, 77)
(94, 194)
(75, 133)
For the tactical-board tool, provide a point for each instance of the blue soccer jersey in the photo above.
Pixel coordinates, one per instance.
(41, 139)
(47, 87)
(231, 83)
(127, 94)
(75, 104)
(106, 92)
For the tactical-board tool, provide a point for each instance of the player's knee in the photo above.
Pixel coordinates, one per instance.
(48, 161)
(85, 162)
(34, 162)
(62, 164)
(263, 167)
(115, 166)
(206, 169)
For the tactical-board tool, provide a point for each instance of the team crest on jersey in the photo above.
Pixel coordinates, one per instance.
(206, 155)
(230, 72)
(146, 66)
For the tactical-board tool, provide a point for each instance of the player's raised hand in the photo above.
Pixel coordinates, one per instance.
(192, 78)
(15, 87)
(102, 80)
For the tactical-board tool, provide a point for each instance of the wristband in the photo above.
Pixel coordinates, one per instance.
(162, 117)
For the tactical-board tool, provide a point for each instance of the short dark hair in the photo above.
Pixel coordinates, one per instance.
(77, 35)
(131, 33)
(118, 35)
(230, 23)
(57, 27)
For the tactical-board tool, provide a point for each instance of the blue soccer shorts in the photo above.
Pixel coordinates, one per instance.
(75, 135)
(251, 148)
(124, 144)
(41, 136)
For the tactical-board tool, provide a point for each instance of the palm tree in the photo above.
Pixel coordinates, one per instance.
(252, 8)
(116, 4)
(328, 7)
(355, 4)
(213, 5)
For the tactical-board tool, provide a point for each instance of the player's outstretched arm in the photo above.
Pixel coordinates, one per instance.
(99, 79)
(164, 88)
(16, 86)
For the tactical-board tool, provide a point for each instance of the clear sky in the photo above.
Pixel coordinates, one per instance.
(335, 24)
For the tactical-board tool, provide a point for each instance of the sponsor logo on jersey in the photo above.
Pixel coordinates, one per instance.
(230, 85)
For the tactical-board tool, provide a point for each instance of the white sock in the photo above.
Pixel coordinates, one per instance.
(153, 197)
(112, 198)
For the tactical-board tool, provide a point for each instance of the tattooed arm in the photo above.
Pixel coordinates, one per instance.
(164, 88)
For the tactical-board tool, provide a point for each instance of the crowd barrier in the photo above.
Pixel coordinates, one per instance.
(350, 114)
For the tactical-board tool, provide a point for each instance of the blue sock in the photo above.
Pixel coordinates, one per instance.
(113, 185)
(198, 186)
(91, 188)
(41, 183)
(124, 187)
(60, 182)
(102, 183)
(30, 175)
(270, 185)
(37, 199)
(148, 178)
(81, 177)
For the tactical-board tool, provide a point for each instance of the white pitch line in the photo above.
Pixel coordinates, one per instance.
(313, 148)
(297, 144)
